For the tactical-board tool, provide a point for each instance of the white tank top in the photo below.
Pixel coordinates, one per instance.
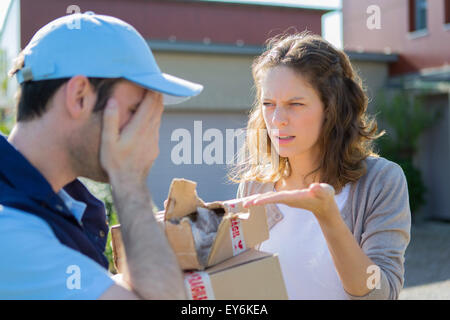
(306, 263)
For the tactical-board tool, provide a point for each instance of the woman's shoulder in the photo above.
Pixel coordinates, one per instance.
(382, 168)
(381, 174)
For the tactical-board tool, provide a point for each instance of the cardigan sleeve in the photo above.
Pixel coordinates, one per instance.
(386, 233)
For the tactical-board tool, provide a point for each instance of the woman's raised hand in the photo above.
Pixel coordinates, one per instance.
(318, 198)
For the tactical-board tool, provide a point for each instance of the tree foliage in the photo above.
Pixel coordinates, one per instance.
(405, 118)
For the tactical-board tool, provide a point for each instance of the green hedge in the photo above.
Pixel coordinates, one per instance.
(404, 117)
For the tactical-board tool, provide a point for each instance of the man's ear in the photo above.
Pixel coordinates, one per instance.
(79, 97)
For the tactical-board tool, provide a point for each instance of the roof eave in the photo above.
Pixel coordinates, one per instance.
(372, 56)
(219, 48)
(323, 10)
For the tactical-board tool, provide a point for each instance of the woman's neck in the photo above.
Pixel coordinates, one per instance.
(300, 168)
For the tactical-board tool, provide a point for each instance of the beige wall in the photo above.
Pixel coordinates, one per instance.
(227, 79)
(374, 76)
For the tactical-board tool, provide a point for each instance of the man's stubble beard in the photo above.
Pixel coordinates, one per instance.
(84, 150)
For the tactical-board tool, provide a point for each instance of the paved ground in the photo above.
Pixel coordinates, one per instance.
(427, 262)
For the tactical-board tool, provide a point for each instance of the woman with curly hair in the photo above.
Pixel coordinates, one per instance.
(338, 213)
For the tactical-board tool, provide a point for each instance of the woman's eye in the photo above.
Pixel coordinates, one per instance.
(297, 104)
(268, 104)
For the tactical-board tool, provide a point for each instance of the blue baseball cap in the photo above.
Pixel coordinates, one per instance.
(99, 46)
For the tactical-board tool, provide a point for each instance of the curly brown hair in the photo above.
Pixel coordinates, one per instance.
(348, 132)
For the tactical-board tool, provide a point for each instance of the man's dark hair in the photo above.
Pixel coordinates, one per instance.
(34, 96)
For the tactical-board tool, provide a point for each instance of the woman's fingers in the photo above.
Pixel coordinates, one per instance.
(305, 198)
(322, 190)
(271, 197)
(291, 198)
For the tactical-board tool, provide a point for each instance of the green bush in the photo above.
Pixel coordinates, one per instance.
(416, 186)
(405, 119)
(6, 110)
(4, 128)
(103, 192)
(6, 121)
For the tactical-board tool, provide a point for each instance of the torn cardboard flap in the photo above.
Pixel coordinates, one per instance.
(187, 216)
(182, 198)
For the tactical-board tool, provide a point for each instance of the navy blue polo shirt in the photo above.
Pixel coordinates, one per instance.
(52, 244)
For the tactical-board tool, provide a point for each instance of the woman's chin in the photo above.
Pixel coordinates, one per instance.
(285, 153)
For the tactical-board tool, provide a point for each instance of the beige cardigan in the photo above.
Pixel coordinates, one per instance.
(376, 212)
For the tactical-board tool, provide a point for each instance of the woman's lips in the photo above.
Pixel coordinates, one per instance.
(285, 139)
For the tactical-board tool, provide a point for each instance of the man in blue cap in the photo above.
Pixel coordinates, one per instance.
(90, 105)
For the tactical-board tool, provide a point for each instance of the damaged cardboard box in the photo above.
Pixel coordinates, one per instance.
(213, 243)
(205, 234)
(251, 275)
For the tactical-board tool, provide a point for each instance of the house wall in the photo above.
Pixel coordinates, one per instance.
(416, 51)
(227, 79)
(181, 20)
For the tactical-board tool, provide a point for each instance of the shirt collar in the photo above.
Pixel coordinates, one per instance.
(23, 176)
(76, 207)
